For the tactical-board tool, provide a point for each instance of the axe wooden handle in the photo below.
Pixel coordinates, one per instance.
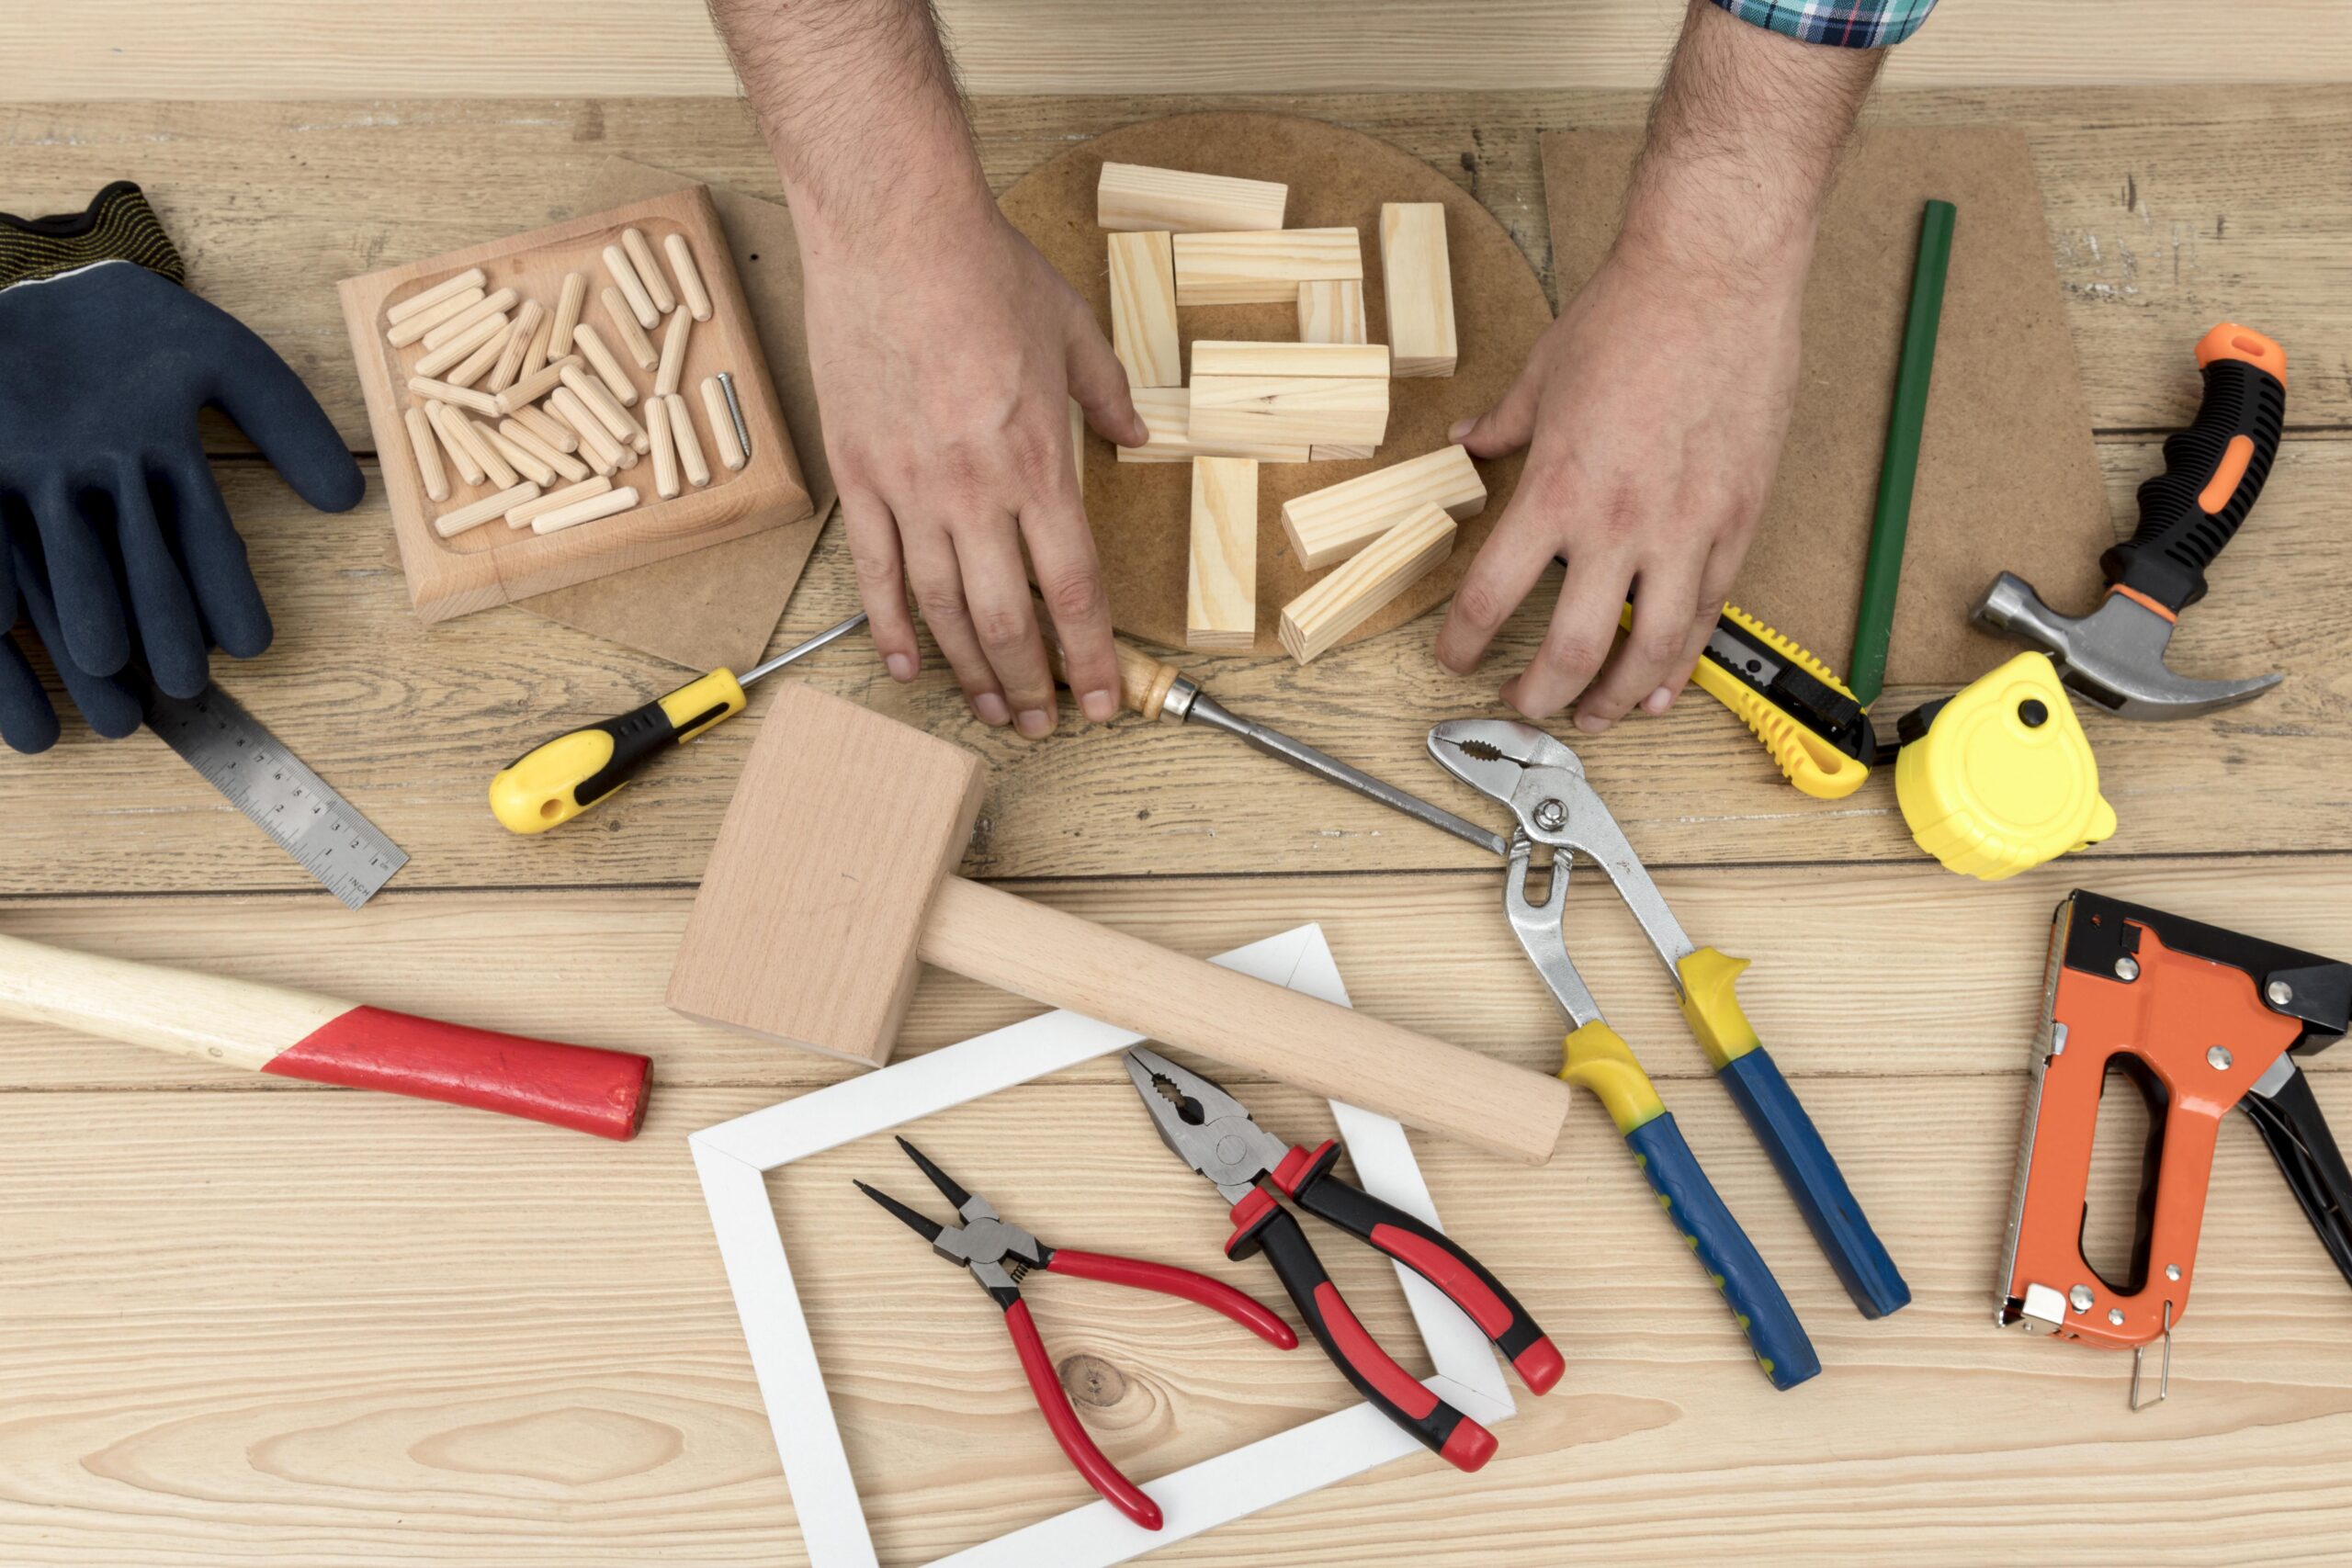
(268, 1029)
(1061, 959)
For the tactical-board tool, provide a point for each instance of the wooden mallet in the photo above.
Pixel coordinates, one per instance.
(832, 881)
(300, 1034)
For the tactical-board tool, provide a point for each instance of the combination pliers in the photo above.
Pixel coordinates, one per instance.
(1543, 782)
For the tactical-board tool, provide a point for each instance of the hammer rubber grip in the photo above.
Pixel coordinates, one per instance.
(2213, 472)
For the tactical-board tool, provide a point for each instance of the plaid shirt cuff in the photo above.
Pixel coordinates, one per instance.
(1848, 24)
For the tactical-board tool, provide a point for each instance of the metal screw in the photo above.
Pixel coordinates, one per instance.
(2218, 1058)
(2279, 993)
(735, 412)
(2127, 968)
(2172, 1270)
(2115, 1316)
(1551, 815)
(2079, 1298)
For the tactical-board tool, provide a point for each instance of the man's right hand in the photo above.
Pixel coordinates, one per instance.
(945, 351)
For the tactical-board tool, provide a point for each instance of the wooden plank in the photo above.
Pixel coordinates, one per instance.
(1142, 309)
(1349, 410)
(1302, 358)
(1320, 618)
(1328, 526)
(1136, 196)
(262, 49)
(1221, 576)
(1262, 267)
(1167, 415)
(1331, 311)
(410, 723)
(2150, 248)
(1416, 281)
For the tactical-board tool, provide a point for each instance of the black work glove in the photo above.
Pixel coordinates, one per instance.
(105, 361)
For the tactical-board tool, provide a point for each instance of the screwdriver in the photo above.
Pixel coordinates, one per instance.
(552, 783)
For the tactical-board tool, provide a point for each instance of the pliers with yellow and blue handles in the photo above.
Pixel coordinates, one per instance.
(1543, 782)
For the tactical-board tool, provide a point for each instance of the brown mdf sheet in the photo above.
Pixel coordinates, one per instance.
(1142, 512)
(719, 606)
(2009, 479)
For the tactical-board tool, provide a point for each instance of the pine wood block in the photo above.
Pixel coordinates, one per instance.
(1351, 410)
(1328, 526)
(1167, 415)
(1262, 267)
(481, 568)
(1221, 585)
(1417, 280)
(1143, 309)
(1322, 453)
(1383, 568)
(1137, 196)
(1219, 358)
(1331, 310)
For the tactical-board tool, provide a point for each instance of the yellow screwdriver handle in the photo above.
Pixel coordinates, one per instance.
(552, 783)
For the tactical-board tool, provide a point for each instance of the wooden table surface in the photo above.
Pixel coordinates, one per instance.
(250, 1322)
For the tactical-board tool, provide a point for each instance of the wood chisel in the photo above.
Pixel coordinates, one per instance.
(261, 777)
(557, 779)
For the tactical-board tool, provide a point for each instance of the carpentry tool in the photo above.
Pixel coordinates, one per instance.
(1213, 1133)
(1812, 725)
(829, 885)
(2198, 1020)
(2213, 472)
(258, 775)
(1891, 519)
(300, 1034)
(1000, 1256)
(1543, 783)
(557, 779)
(2000, 777)
(1156, 689)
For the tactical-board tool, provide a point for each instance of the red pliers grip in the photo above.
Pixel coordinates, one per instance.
(1307, 1179)
(998, 1256)
(1262, 1224)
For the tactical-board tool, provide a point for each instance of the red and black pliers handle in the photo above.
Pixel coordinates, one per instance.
(1054, 1405)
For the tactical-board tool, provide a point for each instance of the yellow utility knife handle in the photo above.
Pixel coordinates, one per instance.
(1805, 759)
(552, 783)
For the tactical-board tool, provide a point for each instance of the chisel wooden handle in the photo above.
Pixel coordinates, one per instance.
(299, 1034)
(1144, 681)
(1065, 961)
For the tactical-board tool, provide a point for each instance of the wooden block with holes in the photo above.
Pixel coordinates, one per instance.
(1264, 267)
(1136, 195)
(1326, 527)
(1142, 309)
(1167, 415)
(1221, 584)
(1416, 281)
(1320, 618)
(1349, 411)
(483, 566)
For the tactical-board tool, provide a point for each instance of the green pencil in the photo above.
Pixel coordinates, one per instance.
(1883, 569)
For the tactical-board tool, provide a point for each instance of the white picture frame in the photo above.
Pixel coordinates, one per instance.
(733, 1158)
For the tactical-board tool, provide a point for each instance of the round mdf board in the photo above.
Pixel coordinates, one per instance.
(1141, 513)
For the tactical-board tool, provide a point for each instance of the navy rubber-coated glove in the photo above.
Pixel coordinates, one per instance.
(105, 362)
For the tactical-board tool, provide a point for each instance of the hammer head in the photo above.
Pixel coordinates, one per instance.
(842, 828)
(2114, 656)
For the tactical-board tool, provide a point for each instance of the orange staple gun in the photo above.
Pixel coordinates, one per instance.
(2201, 1019)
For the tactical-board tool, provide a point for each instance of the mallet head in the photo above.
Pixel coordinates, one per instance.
(2114, 656)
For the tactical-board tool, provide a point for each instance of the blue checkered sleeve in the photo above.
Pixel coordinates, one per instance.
(1849, 23)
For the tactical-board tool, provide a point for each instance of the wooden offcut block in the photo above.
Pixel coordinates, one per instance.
(1167, 415)
(1328, 526)
(1264, 267)
(1350, 410)
(1417, 280)
(1383, 568)
(1221, 586)
(1331, 310)
(881, 813)
(1137, 196)
(1329, 359)
(1143, 309)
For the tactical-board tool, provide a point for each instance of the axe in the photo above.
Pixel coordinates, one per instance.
(2213, 472)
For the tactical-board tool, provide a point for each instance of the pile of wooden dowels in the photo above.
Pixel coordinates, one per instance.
(533, 407)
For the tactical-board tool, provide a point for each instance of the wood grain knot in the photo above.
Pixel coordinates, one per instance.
(1090, 1379)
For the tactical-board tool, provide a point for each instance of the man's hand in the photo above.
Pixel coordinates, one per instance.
(945, 348)
(1653, 409)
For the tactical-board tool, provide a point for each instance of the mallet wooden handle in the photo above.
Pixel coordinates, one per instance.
(1049, 956)
(266, 1029)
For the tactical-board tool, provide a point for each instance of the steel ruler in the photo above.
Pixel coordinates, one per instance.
(349, 856)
